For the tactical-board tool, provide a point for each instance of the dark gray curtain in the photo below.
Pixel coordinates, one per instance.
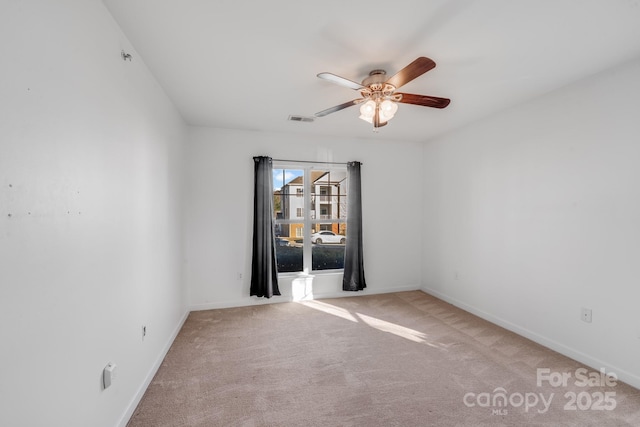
(264, 269)
(353, 279)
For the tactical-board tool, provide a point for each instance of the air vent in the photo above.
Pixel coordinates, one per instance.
(300, 119)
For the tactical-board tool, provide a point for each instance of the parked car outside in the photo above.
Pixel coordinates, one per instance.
(327, 237)
(281, 241)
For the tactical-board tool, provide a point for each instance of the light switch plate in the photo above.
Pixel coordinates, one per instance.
(109, 374)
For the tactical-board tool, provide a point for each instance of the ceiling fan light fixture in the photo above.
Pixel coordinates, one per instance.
(388, 108)
(381, 122)
(385, 111)
(367, 110)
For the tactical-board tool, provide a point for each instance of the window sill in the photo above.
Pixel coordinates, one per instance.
(301, 274)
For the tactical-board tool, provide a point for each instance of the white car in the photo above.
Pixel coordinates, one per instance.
(327, 237)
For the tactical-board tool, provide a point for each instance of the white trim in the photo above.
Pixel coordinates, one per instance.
(624, 376)
(306, 230)
(250, 301)
(126, 417)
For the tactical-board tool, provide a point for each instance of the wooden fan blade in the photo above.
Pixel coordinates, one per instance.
(339, 107)
(411, 71)
(341, 81)
(424, 100)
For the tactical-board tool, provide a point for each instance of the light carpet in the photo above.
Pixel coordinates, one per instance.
(400, 359)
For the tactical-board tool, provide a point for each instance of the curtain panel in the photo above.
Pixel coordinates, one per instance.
(353, 279)
(264, 268)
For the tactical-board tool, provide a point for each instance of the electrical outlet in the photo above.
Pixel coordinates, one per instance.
(144, 331)
(586, 315)
(239, 276)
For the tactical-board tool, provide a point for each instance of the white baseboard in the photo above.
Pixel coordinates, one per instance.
(249, 301)
(152, 372)
(623, 375)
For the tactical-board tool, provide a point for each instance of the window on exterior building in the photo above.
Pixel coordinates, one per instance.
(310, 211)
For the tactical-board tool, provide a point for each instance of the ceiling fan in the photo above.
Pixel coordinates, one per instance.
(379, 97)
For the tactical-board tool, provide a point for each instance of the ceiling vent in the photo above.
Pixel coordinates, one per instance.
(300, 119)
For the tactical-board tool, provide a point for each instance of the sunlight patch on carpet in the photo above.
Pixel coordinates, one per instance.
(330, 309)
(392, 328)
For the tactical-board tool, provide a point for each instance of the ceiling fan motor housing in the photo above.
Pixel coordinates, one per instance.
(375, 76)
(376, 87)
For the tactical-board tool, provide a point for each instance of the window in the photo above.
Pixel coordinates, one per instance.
(325, 193)
(310, 211)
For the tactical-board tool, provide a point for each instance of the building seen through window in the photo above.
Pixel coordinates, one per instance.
(310, 211)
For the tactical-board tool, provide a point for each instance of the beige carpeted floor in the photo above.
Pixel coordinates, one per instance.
(402, 359)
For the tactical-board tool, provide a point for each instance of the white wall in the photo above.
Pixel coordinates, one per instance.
(533, 214)
(220, 205)
(90, 216)
(527, 217)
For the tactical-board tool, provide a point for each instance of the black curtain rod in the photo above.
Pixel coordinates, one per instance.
(309, 161)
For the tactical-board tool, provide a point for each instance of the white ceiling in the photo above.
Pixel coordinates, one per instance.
(250, 64)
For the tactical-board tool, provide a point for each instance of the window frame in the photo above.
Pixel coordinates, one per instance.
(309, 191)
